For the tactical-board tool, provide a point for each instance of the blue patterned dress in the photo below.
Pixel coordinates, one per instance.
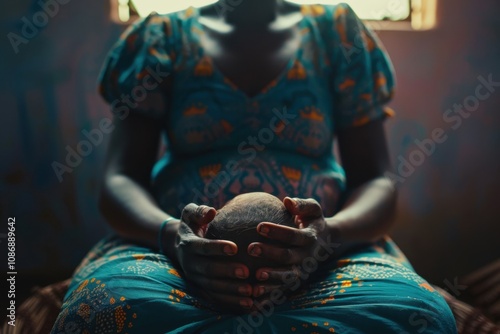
(222, 142)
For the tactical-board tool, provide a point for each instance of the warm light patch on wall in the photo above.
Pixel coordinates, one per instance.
(368, 10)
(423, 14)
(123, 10)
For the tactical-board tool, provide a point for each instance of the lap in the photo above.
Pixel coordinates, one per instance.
(124, 288)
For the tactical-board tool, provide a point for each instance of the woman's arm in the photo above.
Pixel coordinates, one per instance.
(365, 217)
(126, 201)
(128, 206)
(368, 212)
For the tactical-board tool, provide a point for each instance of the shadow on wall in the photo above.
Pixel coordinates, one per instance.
(444, 140)
(48, 87)
(448, 217)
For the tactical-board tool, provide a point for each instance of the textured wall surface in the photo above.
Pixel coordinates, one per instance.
(448, 219)
(448, 222)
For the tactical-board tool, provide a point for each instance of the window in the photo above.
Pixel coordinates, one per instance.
(417, 14)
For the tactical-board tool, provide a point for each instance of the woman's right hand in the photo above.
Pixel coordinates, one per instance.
(207, 263)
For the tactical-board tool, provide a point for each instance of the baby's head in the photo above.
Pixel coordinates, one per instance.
(237, 222)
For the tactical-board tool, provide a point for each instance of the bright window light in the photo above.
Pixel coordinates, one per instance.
(368, 10)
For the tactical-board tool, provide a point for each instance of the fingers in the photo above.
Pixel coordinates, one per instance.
(288, 235)
(303, 207)
(197, 215)
(194, 245)
(284, 279)
(283, 276)
(284, 256)
(265, 289)
(213, 269)
(225, 286)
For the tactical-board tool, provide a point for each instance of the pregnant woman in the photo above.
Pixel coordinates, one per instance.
(249, 96)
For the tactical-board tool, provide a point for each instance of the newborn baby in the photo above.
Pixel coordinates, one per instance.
(237, 222)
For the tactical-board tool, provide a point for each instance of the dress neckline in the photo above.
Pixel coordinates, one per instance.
(228, 82)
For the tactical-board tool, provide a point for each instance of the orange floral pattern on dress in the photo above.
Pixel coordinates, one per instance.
(312, 113)
(139, 257)
(297, 72)
(361, 121)
(204, 68)
(84, 311)
(272, 84)
(347, 83)
(120, 318)
(380, 80)
(195, 109)
(291, 173)
(210, 171)
(228, 128)
(427, 287)
(174, 272)
(313, 10)
(130, 41)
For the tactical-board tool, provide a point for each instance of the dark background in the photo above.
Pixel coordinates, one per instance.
(448, 216)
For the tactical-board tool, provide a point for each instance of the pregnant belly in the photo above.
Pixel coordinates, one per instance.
(216, 178)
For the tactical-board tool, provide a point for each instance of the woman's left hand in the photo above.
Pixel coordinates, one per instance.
(302, 249)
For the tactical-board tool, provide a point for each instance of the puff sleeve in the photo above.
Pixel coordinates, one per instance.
(362, 80)
(137, 66)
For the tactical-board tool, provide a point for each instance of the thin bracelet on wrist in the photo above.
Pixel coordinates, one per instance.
(162, 227)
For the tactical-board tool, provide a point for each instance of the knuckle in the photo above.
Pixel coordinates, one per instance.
(304, 237)
(188, 212)
(300, 203)
(310, 236)
(204, 247)
(200, 211)
(184, 230)
(313, 204)
(177, 240)
(205, 268)
(185, 243)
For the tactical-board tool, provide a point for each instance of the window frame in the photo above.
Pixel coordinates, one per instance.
(422, 16)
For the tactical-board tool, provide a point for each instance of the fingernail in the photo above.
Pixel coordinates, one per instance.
(244, 290)
(240, 273)
(260, 291)
(228, 250)
(246, 303)
(264, 230)
(263, 276)
(255, 251)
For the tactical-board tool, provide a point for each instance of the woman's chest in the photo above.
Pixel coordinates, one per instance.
(290, 107)
(249, 61)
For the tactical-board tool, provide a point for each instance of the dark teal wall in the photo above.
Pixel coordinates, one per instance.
(48, 97)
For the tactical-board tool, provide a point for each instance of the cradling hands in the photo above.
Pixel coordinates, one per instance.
(299, 250)
(207, 263)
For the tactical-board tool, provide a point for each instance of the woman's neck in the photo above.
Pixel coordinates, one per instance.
(245, 13)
